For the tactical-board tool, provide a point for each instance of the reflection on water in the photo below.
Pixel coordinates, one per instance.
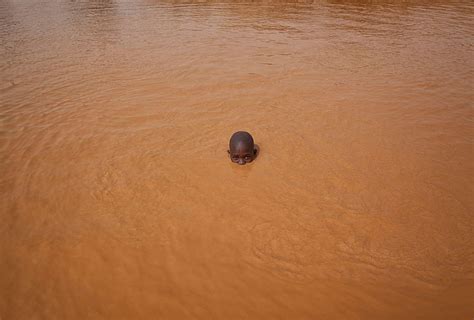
(118, 199)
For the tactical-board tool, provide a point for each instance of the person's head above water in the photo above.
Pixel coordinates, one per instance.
(242, 148)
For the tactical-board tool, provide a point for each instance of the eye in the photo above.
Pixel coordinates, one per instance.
(248, 157)
(235, 158)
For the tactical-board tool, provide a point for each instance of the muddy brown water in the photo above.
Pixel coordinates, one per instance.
(118, 200)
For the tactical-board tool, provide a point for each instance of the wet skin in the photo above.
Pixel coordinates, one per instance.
(242, 148)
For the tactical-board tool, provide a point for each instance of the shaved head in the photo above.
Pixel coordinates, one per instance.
(239, 140)
(242, 148)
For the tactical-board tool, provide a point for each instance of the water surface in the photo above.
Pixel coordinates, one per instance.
(117, 199)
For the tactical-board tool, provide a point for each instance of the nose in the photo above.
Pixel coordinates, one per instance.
(241, 161)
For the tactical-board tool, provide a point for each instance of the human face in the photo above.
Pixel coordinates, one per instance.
(241, 155)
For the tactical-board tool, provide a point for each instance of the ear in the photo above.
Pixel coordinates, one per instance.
(255, 151)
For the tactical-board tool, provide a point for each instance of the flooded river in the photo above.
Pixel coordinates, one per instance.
(118, 199)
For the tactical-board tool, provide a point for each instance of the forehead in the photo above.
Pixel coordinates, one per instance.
(241, 148)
